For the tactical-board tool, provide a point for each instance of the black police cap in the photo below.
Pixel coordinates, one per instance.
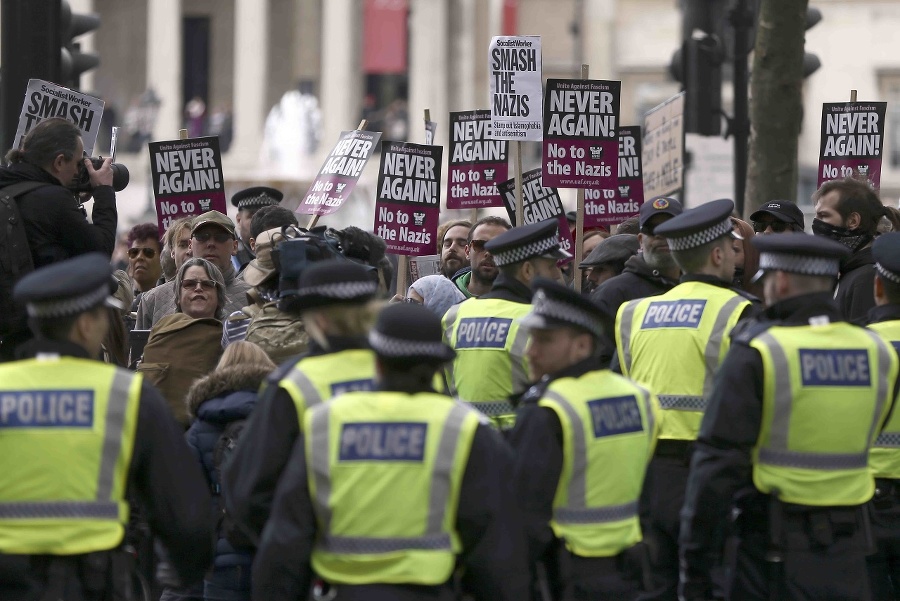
(886, 252)
(409, 331)
(554, 305)
(782, 210)
(256, 197)
(799, 253)
(332, 282)
(526, 242)
(68, 288)
(698, 226)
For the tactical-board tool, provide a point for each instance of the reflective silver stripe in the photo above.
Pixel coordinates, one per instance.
(493, 408)
(311, 396)
(320, 463)
(625, 335)
(813, 461)
(595, 515)
(116, 410)
(367, 545)
(648, 408)
(577, 485)
(100, 510)
(683, 402)
(441, 476)
(450, 320)
(518, 364)
(781, 411)
(888, 439)
(884, 359)
(712, 352)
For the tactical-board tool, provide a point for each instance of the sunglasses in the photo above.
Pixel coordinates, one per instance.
(220, 237)
(205, 284)
(478, 245)
(148, 252)
(777, 226)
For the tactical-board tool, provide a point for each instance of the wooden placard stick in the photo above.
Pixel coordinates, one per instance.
(520, 210)
(852, 95)
(315, 218)
(579, 220)
(182, 134)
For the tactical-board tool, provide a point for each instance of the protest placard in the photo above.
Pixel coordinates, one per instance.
(340, 172)
(514, 65)
(610, 206)
(852, 141)
(476, 163)
(538, 204)
(663, 152)
(187, 179)
(44, 99)
(430, 130)
(419, 267)
(581, 122)
(408, 204)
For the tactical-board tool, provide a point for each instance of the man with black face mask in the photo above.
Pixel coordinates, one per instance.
(848, 211)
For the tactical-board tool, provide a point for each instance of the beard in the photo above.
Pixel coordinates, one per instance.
(485, 273)
(451, 265)
(659, 260)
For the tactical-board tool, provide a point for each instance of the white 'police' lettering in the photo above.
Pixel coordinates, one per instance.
(482, 332)
(387, 441)
(674, 314)
(352, 386)
(618, 415)
(47, 409)
(834, 367)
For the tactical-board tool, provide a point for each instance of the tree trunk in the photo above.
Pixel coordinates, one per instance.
(775, 103)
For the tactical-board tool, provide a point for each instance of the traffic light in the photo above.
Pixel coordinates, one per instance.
(73, 62)
(811, 62)
(697, 65)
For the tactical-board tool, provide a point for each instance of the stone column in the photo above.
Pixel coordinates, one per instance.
(164, 64)
(250, 78)
(341, 97)
(429, 66)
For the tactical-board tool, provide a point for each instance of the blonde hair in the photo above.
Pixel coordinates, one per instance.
(341, 320)
(245, 353)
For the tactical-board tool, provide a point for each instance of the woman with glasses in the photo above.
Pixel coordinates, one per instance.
(186, 345)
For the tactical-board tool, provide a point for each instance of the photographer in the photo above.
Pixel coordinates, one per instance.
(55, 221)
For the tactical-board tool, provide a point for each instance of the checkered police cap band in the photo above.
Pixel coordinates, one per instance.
(340, 290)
(388, 346)
(521, 253)
(554, 309)
(68, 306)
(700, 238)
(259, 199)
(802, 264)
(888, 275)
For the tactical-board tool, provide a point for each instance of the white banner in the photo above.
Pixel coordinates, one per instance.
(517, 96)
(44, 100)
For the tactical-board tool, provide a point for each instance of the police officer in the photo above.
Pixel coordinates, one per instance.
(795, 406)
(248, 202)
(490, 365)
(884, 458)
(673, 344)
(333, 299)
(385, 489)
(75, 435)
(582, 522)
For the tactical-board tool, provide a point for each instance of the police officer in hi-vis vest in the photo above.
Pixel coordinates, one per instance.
(334, 298)
(490, 366)
(673, 344)
(387, 491)
(884, 458)
(583, 438)
(784, 443)
(75, 436)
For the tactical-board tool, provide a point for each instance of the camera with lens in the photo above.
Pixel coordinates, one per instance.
(120, 175)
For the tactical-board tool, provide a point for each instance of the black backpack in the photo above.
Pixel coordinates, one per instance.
(15, 258)
(225, 446)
